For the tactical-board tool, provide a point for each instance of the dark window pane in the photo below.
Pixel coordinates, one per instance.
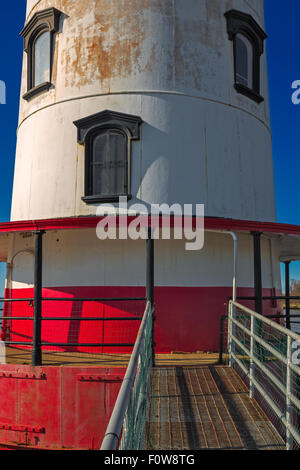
(42, 59)
(244, 54)
(108, 164)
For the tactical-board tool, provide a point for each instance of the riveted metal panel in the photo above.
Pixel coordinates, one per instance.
(56, 407)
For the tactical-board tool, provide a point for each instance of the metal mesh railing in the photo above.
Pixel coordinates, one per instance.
(267, 355)
(91, 325)
(17, 312)
(73, 329)
(127, 427)
(295, 319)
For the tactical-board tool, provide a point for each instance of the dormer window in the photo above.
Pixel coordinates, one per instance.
(38, 37)
(248, 46)
(107, 137)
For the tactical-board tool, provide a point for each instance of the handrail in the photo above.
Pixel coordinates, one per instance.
(225, 317)
(274, 325)
(113, 432)
(255, 361)
(76, 299)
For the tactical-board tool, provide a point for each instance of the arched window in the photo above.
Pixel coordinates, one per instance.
(248, 46)
(38, 37)
(41, 62)
(107, 140)
(108, 164)
(243, 61)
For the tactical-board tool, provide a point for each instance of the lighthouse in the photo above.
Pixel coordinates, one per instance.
(157, 102)
(175, 96)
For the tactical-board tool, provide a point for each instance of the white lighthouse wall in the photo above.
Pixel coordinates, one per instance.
(170, 63)
(79, 258)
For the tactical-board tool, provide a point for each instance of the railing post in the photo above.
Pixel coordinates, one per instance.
(252, 352)
(150, 284)
(230, 342)
(258, 287)
(221, 338)
(287, 295)
(288, 417)
(38, 265)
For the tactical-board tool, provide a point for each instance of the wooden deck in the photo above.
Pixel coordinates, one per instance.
(206, 407)
(71, 359)
(68, 359)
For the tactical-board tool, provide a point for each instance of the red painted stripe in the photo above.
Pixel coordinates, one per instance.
(187, 318)
(213, 223)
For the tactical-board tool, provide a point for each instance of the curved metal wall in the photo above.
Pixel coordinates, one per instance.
(171, 63)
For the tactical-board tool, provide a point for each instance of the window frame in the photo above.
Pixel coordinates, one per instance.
(87, 129)
(41, 22)
(239, 23)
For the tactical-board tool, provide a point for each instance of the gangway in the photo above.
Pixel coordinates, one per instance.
(251, 403)
(206, 407)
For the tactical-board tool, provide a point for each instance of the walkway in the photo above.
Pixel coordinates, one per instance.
(206, 407)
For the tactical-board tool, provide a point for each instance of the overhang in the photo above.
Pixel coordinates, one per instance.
(289, 235)
(289, 247)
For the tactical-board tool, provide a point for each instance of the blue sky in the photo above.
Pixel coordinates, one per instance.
(282, 27)
(10, 73)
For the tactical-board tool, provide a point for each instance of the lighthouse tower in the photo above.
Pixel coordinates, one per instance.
(160, 102)
(157, 102)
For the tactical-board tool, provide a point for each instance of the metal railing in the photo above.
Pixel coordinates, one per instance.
(223, 332)
(126, 428)
(274, 299)
(268, 356)
(82, 325)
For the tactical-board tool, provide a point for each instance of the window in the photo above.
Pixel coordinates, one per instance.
(248, 46)
(41, 63)
(243, 61)
(107, 140)
(108, 164)
(38, 37)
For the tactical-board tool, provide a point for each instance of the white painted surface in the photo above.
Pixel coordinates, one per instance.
(30, 5)
(172, 64)
(78, 258)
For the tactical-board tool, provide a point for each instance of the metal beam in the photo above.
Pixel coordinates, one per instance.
(287, 294)
(37, 313)
(257, 272)
(150, 283)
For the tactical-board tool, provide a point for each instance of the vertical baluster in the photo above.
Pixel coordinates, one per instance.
(230, 334)
(289, 437)
(252, 352)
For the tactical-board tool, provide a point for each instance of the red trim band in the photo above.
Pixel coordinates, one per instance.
(212, 223)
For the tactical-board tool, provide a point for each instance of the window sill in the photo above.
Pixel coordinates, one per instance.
(253, 95)
(37, 90)
(102, 199)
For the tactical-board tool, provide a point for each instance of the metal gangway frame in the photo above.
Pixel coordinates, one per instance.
(123, 431)
(266, 353)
